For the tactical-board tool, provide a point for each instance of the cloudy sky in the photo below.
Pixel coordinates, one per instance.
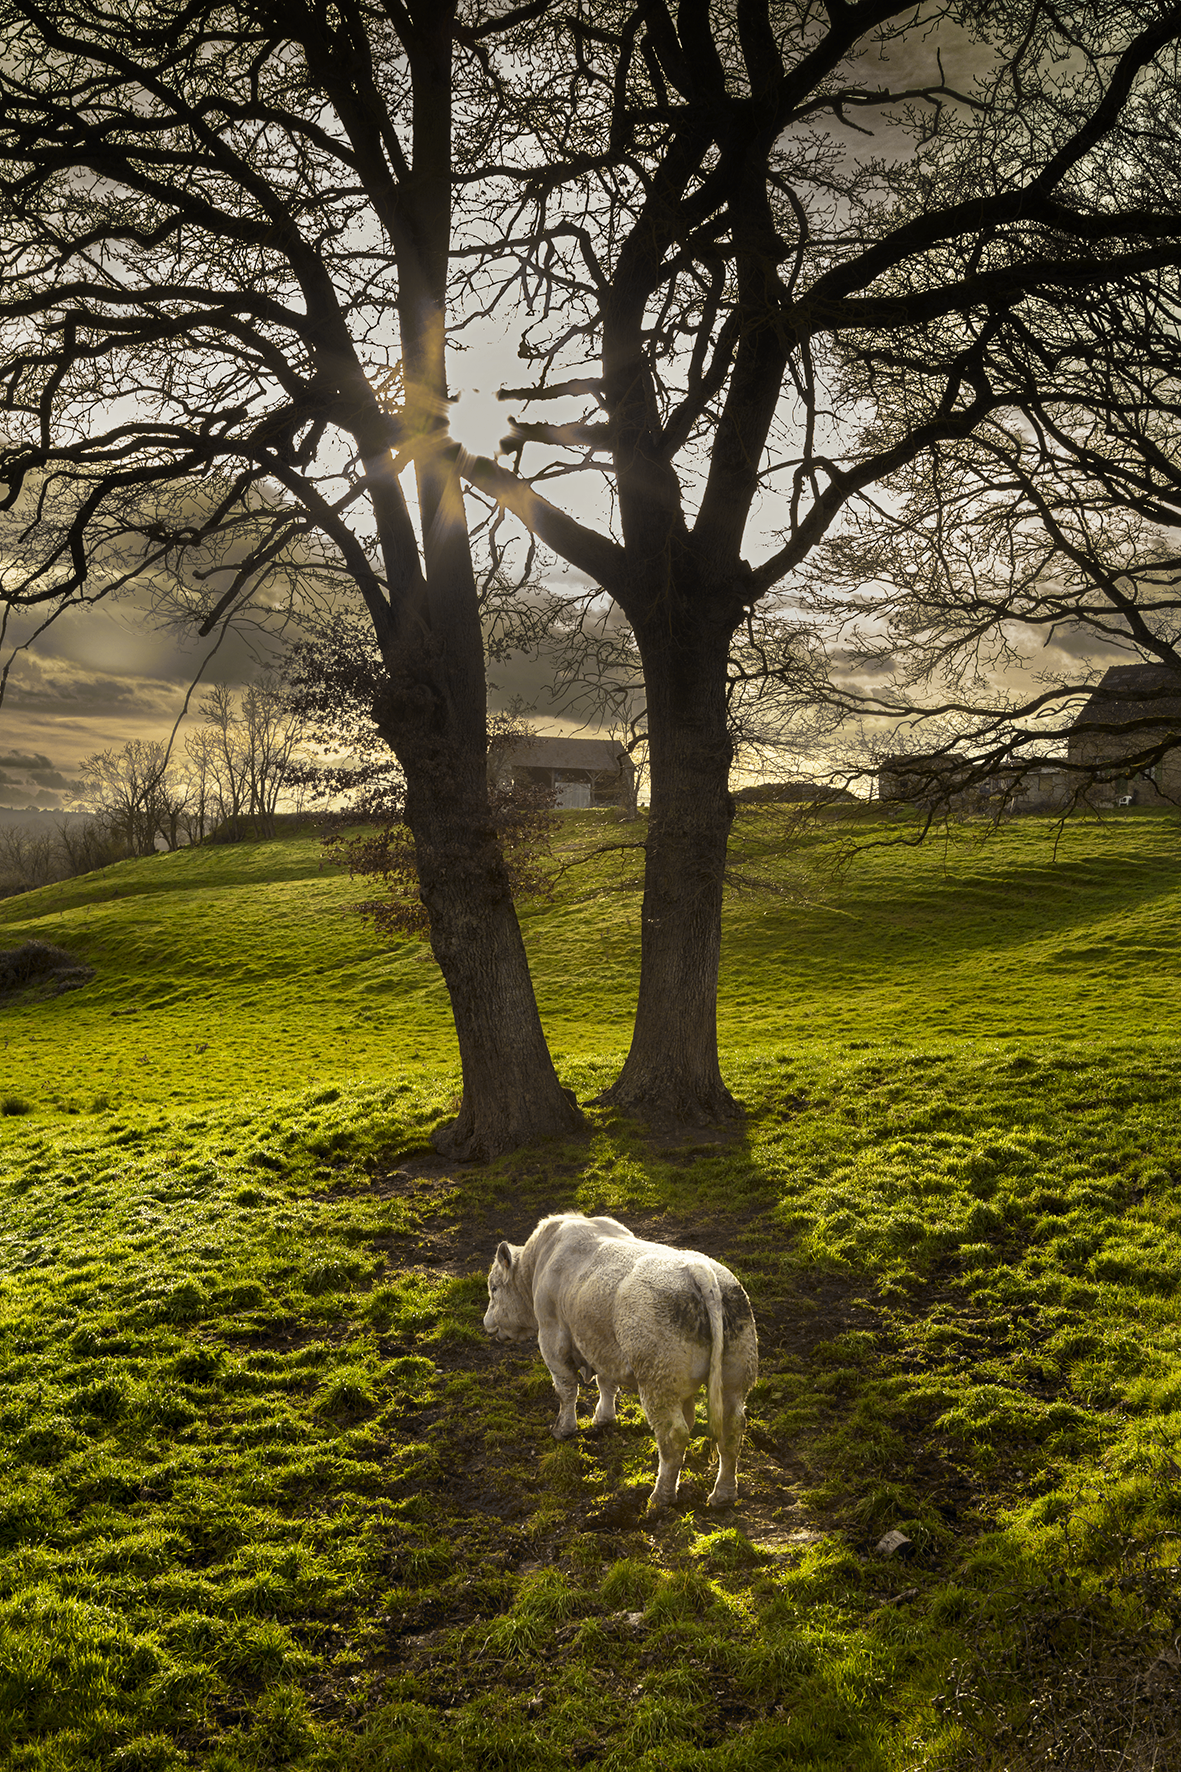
(93, 680)
(117, 671)
(110, 673)
(100, 676)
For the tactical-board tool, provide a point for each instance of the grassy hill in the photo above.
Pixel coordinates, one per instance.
(270, 1500)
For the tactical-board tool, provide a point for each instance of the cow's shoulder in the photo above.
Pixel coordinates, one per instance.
(571, 1230)
(567, 1245)
(611, 1227)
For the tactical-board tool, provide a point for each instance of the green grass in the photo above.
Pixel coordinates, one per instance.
(269, 1499)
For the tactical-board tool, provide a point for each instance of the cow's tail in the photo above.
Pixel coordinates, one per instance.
(713, 1303)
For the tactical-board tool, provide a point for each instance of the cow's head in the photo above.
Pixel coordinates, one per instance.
(509, 1316)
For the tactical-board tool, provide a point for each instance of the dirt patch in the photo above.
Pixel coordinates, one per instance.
(799, 1312)
(457, 1237)
(460, 1239)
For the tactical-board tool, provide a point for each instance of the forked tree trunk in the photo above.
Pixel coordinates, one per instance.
(511, 1092)
(672, 1070)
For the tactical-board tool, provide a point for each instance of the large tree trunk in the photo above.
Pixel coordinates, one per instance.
(511, 1092)
(434, 713)
(672, 1070)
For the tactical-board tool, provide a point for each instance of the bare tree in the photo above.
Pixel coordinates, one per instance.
(200, 807)
(221, 756)
(131, 794)
(1053, 526)
(28, 858)
(240, 758)
(240, 217)
(256, 222)
(271, 734)
(32, 857)
(84, 846)
(732, 291)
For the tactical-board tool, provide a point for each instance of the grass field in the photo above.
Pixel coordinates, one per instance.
(270, 1499)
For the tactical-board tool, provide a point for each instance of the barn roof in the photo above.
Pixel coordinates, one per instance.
(569, 753)
(1133, 692)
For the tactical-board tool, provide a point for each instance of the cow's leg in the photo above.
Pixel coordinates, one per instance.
(604, 1415)
(725, 1490)
(559, 1356)
(666, 1418)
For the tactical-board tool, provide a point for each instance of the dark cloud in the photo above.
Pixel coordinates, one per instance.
(52, 690)
(31, 778)
(852, 666)
(1083, 643)
(23, 761)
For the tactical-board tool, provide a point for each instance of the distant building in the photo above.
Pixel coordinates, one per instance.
(1132, 711)
(1036, 790)
(949, 783)
(1143, 703)
(582, 772)
(931, 779)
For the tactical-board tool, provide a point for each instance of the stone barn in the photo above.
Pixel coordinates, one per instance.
(1144, 700)
(945, 782)
(591, 773)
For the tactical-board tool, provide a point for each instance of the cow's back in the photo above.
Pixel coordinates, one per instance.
(635, 1307)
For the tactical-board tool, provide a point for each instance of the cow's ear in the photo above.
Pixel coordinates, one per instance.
(504, 1255)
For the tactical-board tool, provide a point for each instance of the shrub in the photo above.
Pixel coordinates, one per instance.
(38, 964)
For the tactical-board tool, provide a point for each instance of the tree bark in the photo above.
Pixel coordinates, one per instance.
(672, 1070)
(511, 1091)
(434, 712)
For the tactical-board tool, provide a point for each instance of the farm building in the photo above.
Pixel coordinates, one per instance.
(1133, 711)
(582, 772)
(1143, 703)
(922, 780)
(945, 783)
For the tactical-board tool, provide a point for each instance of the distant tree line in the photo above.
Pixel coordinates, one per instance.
(237, 765)
(31, 857)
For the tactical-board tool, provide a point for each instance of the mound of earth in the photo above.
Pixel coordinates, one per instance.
(789, 793)
(37, 969)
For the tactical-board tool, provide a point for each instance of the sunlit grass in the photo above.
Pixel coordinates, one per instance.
(268, 1498)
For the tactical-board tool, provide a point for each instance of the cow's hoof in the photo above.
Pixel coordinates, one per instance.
(564, 1433)
(602, 1427)
(722, 1500)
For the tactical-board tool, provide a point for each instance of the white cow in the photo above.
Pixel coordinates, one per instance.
(662, 1321)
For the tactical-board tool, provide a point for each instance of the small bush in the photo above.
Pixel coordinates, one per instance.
(39, 964)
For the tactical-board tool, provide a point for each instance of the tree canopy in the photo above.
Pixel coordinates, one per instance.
(897, 345)
(812, 316)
